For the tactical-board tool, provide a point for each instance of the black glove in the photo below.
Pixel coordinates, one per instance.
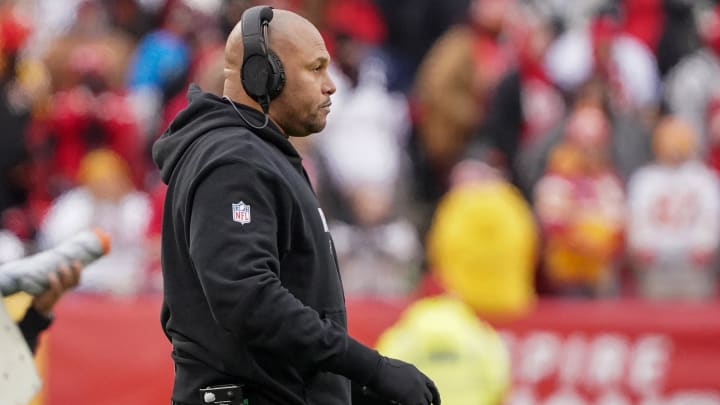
(404, 383)
(391, 379)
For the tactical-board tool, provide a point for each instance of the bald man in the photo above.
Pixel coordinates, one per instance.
(253, 301)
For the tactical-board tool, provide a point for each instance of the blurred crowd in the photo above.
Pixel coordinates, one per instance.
(499, 149)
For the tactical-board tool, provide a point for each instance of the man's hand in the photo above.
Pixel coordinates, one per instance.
(65, 278)
(403, 383)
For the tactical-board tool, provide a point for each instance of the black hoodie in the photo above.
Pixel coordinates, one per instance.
(252, 292)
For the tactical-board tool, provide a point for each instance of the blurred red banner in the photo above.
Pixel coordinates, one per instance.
(112, 351)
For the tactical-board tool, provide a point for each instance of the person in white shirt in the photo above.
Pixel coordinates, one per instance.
(674, 218)
(106, 198)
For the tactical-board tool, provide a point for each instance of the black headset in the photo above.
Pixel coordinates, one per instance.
(262, 73)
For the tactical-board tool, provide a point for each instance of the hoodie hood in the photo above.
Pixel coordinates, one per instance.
(207, 112)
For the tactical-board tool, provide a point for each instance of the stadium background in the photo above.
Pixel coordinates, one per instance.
(552, 165)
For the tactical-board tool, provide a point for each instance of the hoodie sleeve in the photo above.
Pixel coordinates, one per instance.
(32, 324)
(237, 265)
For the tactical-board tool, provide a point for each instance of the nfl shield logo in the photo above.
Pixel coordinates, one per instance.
(241, 213)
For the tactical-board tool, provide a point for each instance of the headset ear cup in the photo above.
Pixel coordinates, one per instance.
(276, 81)
(255, 76)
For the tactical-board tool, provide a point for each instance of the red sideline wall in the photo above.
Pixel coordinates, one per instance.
(112, 351)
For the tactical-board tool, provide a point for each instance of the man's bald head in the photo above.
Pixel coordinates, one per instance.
(286, 32)
(302, 106)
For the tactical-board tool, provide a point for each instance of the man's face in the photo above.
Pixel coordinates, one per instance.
(302, 107)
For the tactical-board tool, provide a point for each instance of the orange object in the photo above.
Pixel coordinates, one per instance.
(105, 239)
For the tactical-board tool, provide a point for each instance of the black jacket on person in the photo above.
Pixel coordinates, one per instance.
(252, 292)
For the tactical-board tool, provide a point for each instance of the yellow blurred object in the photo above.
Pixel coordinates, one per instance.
(17, 304)
(34, 79)
(465, 357)
(102, 165)
(106, 175)
(483, 246)
(585, 252)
